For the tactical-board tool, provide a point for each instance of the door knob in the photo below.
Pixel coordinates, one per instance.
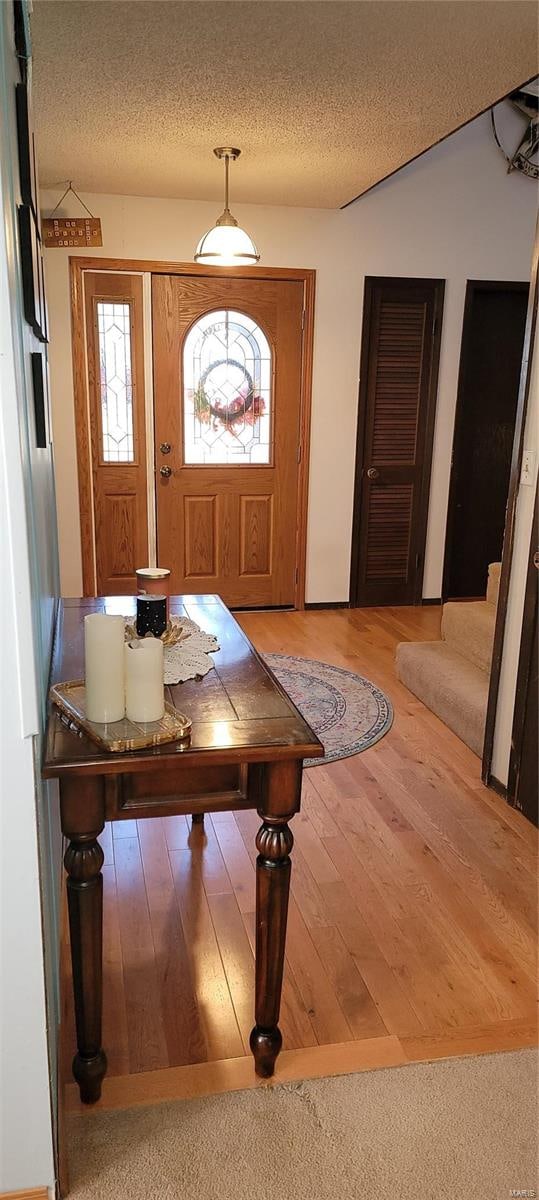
(166, 472)
(372, 473)
(165, 447)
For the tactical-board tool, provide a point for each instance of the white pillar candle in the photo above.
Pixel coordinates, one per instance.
(104, 638)
(144, 675)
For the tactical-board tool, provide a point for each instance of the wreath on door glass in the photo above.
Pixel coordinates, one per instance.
(246, 406)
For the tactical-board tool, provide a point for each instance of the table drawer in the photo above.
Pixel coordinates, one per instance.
(159, 793)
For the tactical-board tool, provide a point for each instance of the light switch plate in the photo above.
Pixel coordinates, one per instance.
(527, 473)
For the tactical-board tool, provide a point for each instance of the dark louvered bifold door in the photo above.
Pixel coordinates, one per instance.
(397, 407)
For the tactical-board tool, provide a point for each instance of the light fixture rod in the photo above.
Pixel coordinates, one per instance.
(235, 246)
(227, 160)
(229, 153)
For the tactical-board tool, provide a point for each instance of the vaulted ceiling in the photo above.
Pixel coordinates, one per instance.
(325, 99)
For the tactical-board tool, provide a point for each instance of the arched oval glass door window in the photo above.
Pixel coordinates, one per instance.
(227, 400)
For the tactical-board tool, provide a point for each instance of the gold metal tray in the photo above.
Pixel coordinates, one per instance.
(119, 736)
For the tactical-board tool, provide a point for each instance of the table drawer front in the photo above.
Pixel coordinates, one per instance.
(156, 792)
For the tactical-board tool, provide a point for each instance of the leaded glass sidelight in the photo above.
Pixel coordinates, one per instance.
(227, 371)
(116, 388)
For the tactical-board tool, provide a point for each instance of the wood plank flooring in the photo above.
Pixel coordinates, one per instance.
(412, 927)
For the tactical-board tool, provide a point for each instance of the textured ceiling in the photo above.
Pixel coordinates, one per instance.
(324, 99)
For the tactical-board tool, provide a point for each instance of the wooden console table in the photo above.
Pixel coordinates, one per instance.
(247, 748)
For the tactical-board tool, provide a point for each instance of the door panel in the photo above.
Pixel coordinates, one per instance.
(114, 324)
(118, 535)
(200, 531)
(402, 319)
(227, 371)
(256, 535)
(490, 363)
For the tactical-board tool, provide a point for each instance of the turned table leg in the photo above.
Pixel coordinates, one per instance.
(83, 861)
(274, 842)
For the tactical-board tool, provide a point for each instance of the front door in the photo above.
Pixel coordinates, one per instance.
(227, 384)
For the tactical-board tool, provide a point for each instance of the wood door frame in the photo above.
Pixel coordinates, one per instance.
(529, 621)
(371, 282)
(472, 287)
(510, 518)
(77, 266)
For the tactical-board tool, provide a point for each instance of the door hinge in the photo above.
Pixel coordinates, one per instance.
(299, 453)
(303, 319)
(417, 561)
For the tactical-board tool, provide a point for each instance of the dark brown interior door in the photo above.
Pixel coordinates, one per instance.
(397, 401)
(490, 362)
(227, 375)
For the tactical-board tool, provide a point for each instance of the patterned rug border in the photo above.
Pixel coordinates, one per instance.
(382, 725)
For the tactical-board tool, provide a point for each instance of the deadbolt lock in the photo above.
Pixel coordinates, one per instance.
(165, 447)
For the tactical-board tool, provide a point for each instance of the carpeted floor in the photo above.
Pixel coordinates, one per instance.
(453, 1130)
(347, 712)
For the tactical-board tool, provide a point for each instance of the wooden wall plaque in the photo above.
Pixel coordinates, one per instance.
(71, 231)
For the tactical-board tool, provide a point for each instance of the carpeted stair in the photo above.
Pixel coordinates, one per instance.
(451, 676)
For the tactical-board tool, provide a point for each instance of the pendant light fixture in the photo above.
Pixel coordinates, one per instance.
(226, 244)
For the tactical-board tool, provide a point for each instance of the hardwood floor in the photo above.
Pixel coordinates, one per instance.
(412, 925)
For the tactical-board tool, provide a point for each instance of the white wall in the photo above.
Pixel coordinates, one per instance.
(454, 214)
(517, 584)
(29, 837)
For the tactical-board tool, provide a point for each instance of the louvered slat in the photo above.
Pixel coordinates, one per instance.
(397, 382)
(388, 540)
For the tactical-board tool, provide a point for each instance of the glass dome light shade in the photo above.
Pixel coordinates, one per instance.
(226, 246)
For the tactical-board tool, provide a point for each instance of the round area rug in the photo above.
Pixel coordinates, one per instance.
(347, 712)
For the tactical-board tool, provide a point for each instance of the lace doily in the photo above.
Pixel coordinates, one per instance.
(190, 655)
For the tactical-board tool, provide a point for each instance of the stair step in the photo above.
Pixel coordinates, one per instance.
(450, 685)
(468, 627)
(493, 585)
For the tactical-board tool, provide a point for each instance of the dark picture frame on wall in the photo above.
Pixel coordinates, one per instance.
(32, 284)
(40, 402)
(27, 177)
(43, 312)
(29, 265)
(35, 191)
(33, 276)
(23, 45)
(33, 280)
